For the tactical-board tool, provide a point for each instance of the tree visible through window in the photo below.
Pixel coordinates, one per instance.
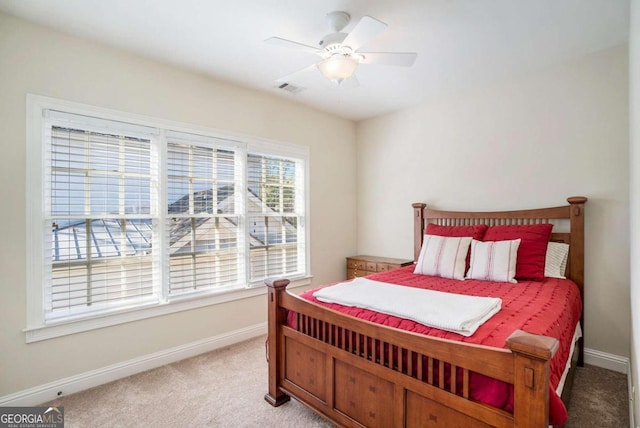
(273, 216)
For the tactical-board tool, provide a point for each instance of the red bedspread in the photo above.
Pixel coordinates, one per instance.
(550, 308)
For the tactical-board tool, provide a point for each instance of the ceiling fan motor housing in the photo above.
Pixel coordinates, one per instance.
(332, 41)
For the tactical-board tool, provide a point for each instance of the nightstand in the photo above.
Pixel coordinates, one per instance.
(366, 265)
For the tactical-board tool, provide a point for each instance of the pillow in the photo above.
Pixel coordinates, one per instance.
(476, 231)
(532, 250)
(555, 264)
(494, 260)
(443, 256)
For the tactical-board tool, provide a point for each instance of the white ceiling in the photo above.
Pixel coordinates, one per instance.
(460, 43)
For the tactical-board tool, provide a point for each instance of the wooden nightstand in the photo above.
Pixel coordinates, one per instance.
(366, 265)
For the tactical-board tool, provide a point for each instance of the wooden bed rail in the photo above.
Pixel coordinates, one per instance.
(408, 366)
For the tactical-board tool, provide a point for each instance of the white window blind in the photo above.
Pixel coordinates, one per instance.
(276, 216)
(203, 221)
(134, 217)
(100, 228)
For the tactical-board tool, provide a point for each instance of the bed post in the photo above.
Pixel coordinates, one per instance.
(277, 316)
(418, 228)
(576, 262)
(531, 377)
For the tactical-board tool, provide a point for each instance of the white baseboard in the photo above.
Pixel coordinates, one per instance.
(70, 385)
(606, 361)
(632, 422)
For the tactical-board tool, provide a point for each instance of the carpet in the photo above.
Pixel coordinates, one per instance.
(599, 399)
(225, 388)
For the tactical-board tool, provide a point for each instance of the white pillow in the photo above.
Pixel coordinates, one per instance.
(494, 260)
(443, 256)
(555, 264)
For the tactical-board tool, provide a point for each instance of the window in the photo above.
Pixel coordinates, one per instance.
(203, 220)
(277, 242)
(99, 237)
(133, 217)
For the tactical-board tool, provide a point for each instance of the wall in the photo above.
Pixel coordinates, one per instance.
(37, 60)
(634, 198)
(528, 142)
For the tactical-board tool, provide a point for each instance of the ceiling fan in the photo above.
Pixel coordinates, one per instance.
(339, 51)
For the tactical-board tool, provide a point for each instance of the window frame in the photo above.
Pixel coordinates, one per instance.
(37, 327)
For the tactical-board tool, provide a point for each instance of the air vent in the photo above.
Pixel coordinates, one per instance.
(291, 88)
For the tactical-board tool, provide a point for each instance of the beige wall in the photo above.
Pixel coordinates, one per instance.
(524, 143)
(37, 60)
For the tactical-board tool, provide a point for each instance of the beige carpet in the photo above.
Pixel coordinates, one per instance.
(225, 388)
(599, 399)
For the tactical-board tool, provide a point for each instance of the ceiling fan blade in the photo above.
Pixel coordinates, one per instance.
(277, 41)
(296, 75)
(364, 31)
(402, 59)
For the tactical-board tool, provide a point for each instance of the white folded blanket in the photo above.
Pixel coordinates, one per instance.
(447, 311)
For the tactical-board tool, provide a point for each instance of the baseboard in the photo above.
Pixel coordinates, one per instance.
(606, 361)
(70, 385)
(632, 423)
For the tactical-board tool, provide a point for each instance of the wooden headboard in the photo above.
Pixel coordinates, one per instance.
(572, 235)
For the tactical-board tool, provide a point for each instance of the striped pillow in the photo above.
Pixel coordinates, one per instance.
(494, 260)
(532, 249)
(443, 256)
(555, 264)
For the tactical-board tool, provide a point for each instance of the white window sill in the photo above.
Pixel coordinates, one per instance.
(63, 328)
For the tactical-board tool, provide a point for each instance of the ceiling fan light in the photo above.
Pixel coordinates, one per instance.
(338, 68)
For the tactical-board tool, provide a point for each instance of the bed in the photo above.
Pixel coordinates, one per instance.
(357, 372)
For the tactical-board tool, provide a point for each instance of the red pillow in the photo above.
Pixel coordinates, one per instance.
(476, 231)
(532, 250)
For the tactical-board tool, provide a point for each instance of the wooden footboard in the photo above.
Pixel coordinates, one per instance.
(358, 373)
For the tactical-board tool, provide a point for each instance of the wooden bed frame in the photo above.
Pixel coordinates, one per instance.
(361, 374)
